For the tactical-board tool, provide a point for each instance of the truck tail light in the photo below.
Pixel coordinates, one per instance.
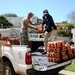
(28, 58)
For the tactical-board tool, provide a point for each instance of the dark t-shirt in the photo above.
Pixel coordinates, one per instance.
(48, 20)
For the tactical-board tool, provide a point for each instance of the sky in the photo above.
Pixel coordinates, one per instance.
(59, 9)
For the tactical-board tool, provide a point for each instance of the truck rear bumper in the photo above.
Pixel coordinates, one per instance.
(48, 72)
(51, 70)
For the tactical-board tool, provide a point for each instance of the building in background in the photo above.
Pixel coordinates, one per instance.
(16, 21)
(34, 19)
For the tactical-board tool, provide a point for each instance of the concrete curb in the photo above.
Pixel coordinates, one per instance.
(64, 72)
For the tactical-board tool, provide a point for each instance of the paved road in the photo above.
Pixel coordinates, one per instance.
(63, 72)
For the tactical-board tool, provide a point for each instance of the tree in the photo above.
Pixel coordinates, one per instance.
(4, 23)
(64, 22)
(10, 15)
(71, 16)
(40, 21)
(65, 30)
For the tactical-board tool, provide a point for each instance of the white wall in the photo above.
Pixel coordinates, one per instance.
(11, 32)
(34, 19)
(16, 21)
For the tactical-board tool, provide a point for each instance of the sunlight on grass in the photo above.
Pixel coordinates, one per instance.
(71, 67)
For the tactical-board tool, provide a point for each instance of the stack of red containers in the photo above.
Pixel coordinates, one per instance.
(4, 38)
(53, 53)
(73, 50)
(14, 41)
(40, 28)
(63, 51)
(69, 51)
(58, 51)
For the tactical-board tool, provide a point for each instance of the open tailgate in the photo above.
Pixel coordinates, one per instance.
(40, 63)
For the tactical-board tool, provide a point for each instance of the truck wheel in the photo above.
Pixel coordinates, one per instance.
(9, 69)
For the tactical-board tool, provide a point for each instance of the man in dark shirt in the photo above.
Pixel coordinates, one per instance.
(48, 21)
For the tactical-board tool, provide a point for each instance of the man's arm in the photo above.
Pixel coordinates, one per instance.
(29, 26)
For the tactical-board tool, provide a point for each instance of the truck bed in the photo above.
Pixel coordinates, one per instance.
(40, 63)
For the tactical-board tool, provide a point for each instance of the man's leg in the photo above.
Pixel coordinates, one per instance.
(24, 37)
(53, 35)
(46, 37)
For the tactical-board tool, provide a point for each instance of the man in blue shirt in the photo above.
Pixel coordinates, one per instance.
(48, 21)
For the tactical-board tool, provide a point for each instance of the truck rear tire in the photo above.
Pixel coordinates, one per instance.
(9, 69)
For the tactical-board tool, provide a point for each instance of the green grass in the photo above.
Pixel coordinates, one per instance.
(71, 67)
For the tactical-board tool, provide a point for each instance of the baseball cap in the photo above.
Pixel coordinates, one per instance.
(45, 11)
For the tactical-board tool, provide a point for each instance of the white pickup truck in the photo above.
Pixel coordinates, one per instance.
(19, 60)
